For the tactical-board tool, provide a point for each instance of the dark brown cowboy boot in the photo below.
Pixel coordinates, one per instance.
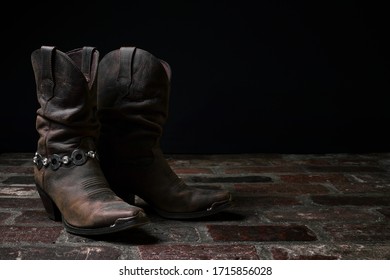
(67, 172)
(133, 93)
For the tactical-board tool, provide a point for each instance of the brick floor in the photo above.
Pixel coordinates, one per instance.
(287, 206)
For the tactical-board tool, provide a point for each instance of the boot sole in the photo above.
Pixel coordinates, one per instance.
(124, 224)
(121, 224)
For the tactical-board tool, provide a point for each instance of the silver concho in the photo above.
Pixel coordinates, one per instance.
(55, 161)
(78, 157)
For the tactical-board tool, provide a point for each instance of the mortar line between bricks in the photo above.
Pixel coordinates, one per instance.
(305, 199)
(204, 235)
(11, 219)
(17, 174)
(318, 230)
(381, 217)
(332, 188)
(263, 252)
(127, 250)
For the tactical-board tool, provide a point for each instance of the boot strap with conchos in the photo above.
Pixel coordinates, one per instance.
(78, 157)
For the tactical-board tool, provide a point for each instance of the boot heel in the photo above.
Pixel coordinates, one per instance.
(50, 207)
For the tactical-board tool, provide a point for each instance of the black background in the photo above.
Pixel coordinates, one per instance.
(248, 76)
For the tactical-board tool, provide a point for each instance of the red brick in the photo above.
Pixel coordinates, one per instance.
(207, 187)
(211, 161)
(385, 211)
(21, 203)
(263, 169)
(344, 169)
(354, 160)
(358, 200)
(233, 215)
(282, 254)
(227, 179)
(363, 232)
(33, 217)
(319, 178)
(18, 191)
(301, 161)
(174, 162)
(371, 178)
(17, 169)
(59, 252)
(281, 188)
(261, 233)
(363, 188)
(346, 251)
(230, 161)
(19, 180)
(255, 202)
(193, 170)
(244, 161)
(16, 234)
(198, 252)
(335, 214)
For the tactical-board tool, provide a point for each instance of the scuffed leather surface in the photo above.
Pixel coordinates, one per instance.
(66, 120)
(132, 121)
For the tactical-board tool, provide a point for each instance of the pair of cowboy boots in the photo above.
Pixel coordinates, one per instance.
(99, 124)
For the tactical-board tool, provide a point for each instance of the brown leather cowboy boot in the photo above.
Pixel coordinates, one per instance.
(67, 172)
(133, 92)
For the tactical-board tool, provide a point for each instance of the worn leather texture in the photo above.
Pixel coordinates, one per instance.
(133, 99)
(66, 120)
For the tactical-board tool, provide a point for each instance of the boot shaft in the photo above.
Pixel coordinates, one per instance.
(133, 97)
(66, 93)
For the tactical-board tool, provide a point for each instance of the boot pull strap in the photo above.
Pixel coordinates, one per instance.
(86, 62)
(125, 68)
(47, 80)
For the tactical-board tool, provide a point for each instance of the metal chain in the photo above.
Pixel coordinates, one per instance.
(78, 157)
